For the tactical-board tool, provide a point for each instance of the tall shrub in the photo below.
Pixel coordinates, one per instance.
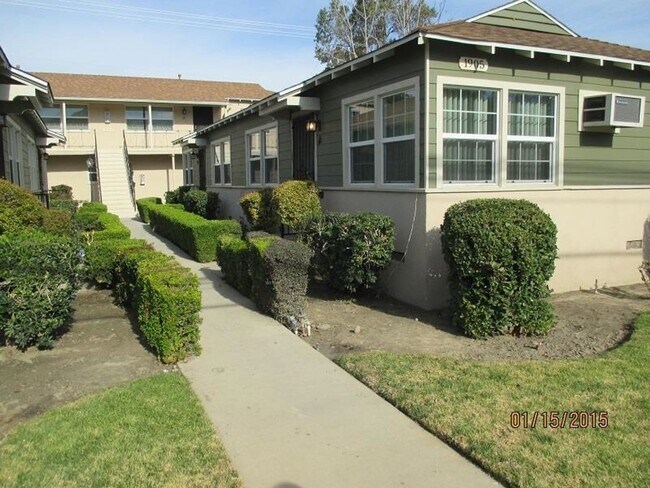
(501, 254)
(295, 202)
(350, 250)
(19, 209)
(258, 210)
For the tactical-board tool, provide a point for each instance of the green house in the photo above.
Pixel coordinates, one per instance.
(511, 104)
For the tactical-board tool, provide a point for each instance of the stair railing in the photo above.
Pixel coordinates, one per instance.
(129, 171)
(97, 173)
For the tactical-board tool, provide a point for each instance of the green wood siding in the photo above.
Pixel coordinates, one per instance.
(589, 158)
(237, 133)
(523, 16)
(407, 62)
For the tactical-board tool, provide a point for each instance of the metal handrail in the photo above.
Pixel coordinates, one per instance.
(99, 178)
(129, 171)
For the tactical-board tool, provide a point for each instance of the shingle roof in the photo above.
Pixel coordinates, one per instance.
(66, 85)
(533, 39)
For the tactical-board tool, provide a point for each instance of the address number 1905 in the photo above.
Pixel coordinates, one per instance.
(473, 64)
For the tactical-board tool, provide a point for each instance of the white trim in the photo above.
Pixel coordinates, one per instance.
(502, 87)
(427, 112)
(376, 96)
(259, 129)
(529, 3)
(489, 44)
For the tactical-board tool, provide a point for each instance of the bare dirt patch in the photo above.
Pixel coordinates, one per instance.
(100, 350)
(588, 323)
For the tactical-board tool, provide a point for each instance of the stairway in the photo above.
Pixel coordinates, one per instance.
(115, 183)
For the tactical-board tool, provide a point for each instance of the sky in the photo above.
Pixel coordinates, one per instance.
(269, 42)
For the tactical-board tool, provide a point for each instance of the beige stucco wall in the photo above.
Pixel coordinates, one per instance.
(71, 171)
(157, 173)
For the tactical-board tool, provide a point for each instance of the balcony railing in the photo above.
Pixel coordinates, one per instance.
(154, 139)
(80, 139)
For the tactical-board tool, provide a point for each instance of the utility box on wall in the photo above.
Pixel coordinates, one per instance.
(612, 110)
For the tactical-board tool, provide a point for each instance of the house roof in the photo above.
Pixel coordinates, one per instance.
(67, 86)
(519, 37)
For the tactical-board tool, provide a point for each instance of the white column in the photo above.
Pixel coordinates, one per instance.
(64, 126)
(150, 127)
(173, 177)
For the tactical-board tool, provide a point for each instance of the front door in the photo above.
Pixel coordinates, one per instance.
(304, 150)
(202, 117)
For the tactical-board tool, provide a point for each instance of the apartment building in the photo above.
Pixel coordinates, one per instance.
(119, 132)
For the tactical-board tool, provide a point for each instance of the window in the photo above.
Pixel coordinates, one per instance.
(162, 118)
(398, 116)
(14, 152)
(221, 157)
(34, 179)
(76, 117)
(137, 118)
(531, 137)
(52, 117)
(188, 169)
(502, 134)
(381, 137)
(470, 135)
(263, 157)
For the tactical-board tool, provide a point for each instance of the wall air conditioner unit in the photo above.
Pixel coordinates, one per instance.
(613, 110)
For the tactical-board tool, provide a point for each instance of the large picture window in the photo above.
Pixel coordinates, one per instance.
(382, 136)
(221, 158)
(506, 134)
(137, 118)
(263, 156)
(76, 117)
(162, 119)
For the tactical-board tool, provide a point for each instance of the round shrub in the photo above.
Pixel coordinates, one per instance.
(295, 202)
(57, 222)
(258, 210)
(501, 254)
(196, 201)
(350, 250)
(61, 192)
(19, 209)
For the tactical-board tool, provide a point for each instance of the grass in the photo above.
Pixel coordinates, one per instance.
(149, 433)
(468, 405)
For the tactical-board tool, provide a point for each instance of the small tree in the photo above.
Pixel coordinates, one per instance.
(351, 28)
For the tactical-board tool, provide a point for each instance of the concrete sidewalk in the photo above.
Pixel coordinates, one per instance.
(291, 418)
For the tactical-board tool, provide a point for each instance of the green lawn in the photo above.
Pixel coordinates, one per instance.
(468, 404)
(149, 433)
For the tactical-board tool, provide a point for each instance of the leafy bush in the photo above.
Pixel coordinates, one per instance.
(86, 222)
(196, 201)
(176, 196)
(144, 204)
(501, 254)
(192, 233)
(102, 258)
(350, 250)
(111, 228)
(258, 210)
(19, 209)
(93, 207)
(232, 258)
(61, 192)
(295, 202)
(39, 278)
(167, 300)
(57, 222)
(69, 206)
(279, 272)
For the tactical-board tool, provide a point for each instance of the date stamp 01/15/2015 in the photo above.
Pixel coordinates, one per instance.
(559, 420)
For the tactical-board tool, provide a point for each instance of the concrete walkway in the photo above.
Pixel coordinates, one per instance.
(289, 417)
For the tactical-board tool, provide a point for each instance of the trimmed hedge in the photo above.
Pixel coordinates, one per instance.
(200, 202)
(176, 196)
(112, 228)
(295, 202)
(39, 278)
(195, 235)
(61, 192)
(350, 250)
(144, 204)
(501, 254)
(232, 257)
(258, 210)
(69, 206)
(102, 258)
(93, 207)
(166, 298)
(279, 271)
(19, 209)
(57, 222)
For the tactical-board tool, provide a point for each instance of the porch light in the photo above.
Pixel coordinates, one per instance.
(312, 125)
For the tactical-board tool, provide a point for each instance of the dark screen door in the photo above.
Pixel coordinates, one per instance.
(303, 150)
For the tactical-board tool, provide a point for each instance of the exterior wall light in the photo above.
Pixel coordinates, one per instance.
(312, 125)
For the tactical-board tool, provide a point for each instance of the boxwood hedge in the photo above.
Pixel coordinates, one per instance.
(192, 233)
(501, 254)
(144, 204)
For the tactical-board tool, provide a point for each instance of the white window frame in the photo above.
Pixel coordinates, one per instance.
(188, 169)
(377, 95)
(58, 107)
(146, 119)
(152, 109)
(87, 118)
(260, 130)
(501, 167)
(226, 160)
